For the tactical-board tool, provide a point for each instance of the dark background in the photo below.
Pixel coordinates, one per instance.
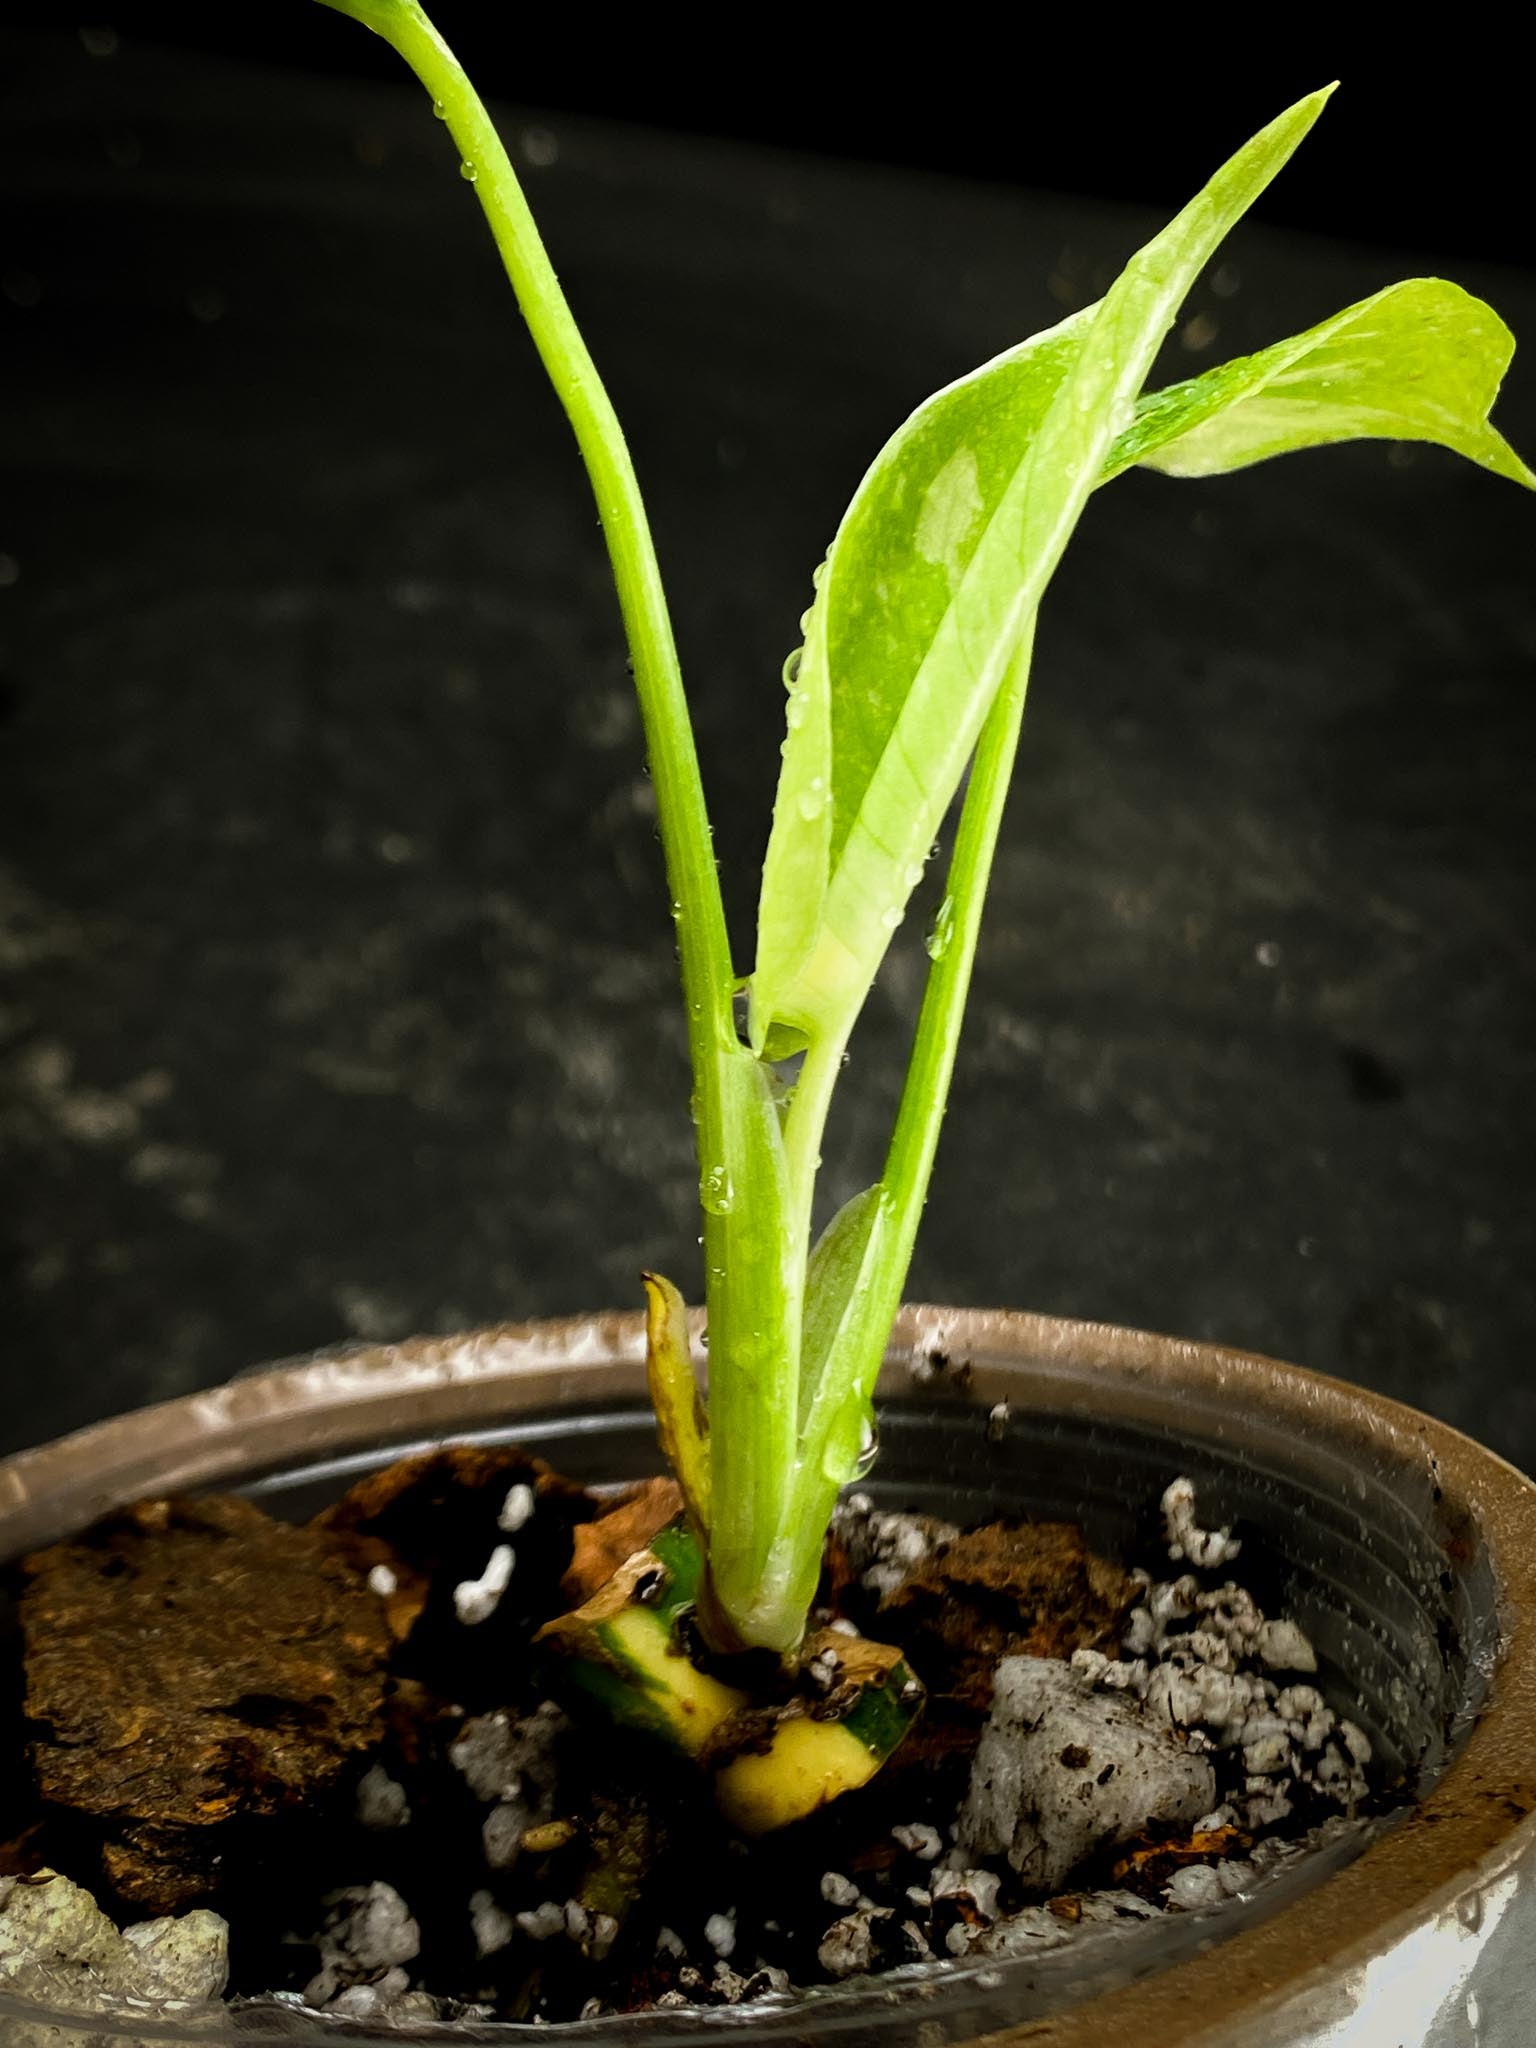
(337, 998)
(1430, 147)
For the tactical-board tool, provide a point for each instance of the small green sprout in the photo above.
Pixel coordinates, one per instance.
(913, 672)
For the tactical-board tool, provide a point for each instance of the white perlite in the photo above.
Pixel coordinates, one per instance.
(1209, 1662)
(368, 1932)
(1205, 1548)
(874, 1936)
(1062, 1771)
(542, 1922)
(1196, 1885)
(515, 1509)
(920, 1839)
(511, 1761)
(963, 1903)
(720, 1933)
(476, 1600)
(593, 1933)
(512, 1765)
(1037, 1928)
(57, 1945)
(492, 1926)
(381, 1800)
(389, 1998)
(848, 1947)
(502, 1834)
(884, 1549)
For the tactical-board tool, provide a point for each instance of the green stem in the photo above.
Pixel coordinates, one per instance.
(920, 1117)
(754, 1279)
(805, 1126)
(681, 813)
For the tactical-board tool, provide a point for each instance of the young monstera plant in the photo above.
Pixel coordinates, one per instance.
(911, 681)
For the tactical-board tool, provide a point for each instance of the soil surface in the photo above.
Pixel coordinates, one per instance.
(342, 1739)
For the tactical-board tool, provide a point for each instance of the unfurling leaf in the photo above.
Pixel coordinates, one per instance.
(1421, 361)
(928, 590)
(836, 1280)
(903, 544)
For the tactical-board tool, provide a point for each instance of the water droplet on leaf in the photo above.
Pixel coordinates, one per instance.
(892, 917)
(791, 668)
(943, 930)
(716, 1195)
(812, 800)
(468, 172)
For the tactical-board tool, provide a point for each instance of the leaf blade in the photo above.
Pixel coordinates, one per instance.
(832, 1280)
(896, 738)
(1420, 361)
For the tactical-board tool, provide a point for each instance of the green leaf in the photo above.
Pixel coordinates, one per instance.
(930, 584)
(901, 549)
(832, 1279)
(847, 1321)
(1421, 361)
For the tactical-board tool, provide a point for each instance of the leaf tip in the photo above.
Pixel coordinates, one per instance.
(675, 1394)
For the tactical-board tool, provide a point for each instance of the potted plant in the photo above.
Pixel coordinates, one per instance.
(913, 671)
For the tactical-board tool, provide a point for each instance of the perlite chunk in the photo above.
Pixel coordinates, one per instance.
(1061, 1772)
(58, 1947)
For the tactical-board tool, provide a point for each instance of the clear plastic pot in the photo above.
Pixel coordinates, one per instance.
(1407, 1552)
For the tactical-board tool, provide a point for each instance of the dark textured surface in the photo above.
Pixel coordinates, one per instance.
(338, 991)
(196, 1674)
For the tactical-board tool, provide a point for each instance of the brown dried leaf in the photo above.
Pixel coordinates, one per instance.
(602, 1546)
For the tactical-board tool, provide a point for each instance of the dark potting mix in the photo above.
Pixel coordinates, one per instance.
(369, 1766)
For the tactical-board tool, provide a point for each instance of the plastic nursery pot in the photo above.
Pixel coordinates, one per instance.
(1406, 1551)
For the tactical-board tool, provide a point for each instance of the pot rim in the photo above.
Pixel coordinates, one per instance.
(1464, 1840)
